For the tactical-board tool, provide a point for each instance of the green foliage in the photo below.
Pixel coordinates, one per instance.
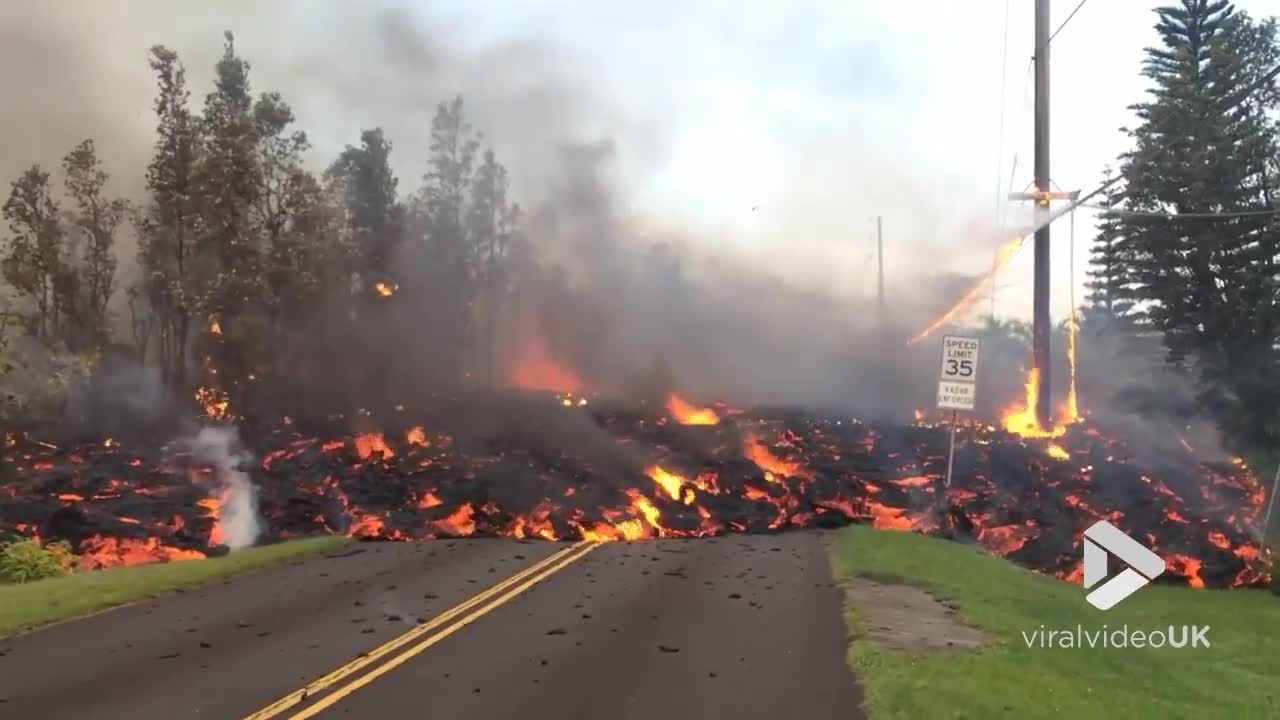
(28, 560)
(1205, 144)
(1110, 299)
(30, 605)
(1234, 677)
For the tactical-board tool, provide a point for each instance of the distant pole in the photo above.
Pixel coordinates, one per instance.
(1271, 503)
(1041, 328)
(880, 274)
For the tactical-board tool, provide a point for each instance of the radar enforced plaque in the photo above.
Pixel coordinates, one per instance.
(958, 385)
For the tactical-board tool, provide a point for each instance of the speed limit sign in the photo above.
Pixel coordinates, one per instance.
(959, 358)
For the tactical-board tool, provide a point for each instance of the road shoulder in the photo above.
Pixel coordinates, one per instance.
(1008, 676)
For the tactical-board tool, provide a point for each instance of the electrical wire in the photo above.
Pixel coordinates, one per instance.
(1112, 212)
(1004, 82)
(1064, 22)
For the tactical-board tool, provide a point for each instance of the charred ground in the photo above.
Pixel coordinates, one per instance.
(556, 466)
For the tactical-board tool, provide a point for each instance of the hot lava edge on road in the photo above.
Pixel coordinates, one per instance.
(569, 469)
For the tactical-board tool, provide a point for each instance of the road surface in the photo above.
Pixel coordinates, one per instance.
(740, 626)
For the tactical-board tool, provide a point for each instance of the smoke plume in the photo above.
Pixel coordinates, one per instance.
(237, 498)
(786, 317)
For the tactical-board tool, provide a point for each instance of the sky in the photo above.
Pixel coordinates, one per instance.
(774, 130)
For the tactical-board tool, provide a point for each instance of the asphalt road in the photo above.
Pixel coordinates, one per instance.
(740, 626)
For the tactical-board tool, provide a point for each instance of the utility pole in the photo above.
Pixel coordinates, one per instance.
(1040, 323)
(880, 273)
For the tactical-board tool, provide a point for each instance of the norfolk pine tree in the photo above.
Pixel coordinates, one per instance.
(1207, 283)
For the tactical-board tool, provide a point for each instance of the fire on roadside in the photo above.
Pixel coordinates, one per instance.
(686, 413)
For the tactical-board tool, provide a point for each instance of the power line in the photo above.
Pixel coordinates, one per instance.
(1064, 22)
(1243, 95)
(1229, 104)
(1110, 212)
(1004, 82)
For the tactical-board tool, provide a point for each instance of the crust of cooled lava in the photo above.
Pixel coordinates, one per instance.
(904, 617)
(558, 468)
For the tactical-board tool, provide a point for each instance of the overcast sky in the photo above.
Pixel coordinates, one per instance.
(819, 115)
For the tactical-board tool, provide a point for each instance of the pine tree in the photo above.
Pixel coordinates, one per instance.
(163, 301)
(231, 253)
(450, 252)
(1204, 146)
(230, 180)
(363, 180)
(492, 222)
(32, 261)
(1109, 304)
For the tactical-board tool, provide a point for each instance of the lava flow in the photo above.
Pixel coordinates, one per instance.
(623, 474)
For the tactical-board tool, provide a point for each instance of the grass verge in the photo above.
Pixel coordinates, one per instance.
(30, 605)
(1234, 677)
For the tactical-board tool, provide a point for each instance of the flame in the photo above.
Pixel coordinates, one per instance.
(217, 535)
(688, 414)
(669, 482)
(417, 436)
(760, 454)
(1058, 452)
(1187, 567)
(215, 327)
(1006, 254)
(1021, 419)
(216, 403)
(386, 289)
(99, 552)
(537, 370)
(370, 443)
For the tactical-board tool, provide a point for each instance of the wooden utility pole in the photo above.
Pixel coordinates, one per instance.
(880, 272)
(1040, 323)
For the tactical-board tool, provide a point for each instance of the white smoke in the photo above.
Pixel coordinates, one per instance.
(238, 498)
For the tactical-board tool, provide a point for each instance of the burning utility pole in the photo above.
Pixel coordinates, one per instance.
(1040, 327)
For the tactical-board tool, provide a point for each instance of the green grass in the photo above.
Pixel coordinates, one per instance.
(29, 605)
(1238, 676)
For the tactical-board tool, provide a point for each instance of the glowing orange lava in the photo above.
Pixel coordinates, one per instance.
(370, 443)
(686, 413)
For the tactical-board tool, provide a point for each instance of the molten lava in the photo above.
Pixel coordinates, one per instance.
(686, 413)
(120, 503)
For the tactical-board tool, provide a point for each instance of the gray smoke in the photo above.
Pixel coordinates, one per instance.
(238, 498)
(788, 319)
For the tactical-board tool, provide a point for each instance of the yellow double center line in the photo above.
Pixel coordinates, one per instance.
(490, 599)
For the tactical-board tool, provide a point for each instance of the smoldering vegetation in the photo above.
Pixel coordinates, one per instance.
(620, 300)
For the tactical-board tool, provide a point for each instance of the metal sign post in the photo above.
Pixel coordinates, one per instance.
(957, 386)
